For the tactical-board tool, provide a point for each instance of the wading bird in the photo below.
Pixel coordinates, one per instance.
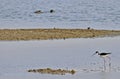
(104, 55)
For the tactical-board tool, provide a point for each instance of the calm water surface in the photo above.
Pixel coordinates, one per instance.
(16, 57)
(102, 14)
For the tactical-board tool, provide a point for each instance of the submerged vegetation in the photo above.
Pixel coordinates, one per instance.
(52, 71)
(55, 33)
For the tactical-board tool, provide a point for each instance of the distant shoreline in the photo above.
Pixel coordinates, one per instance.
(55, 33)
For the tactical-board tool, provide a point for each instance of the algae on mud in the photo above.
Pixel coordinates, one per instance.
(55, 33)
(52, 71)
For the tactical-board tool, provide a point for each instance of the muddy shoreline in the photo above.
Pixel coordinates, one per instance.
(54, 33)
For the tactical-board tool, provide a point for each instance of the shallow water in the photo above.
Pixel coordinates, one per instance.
(16, 57)
(102, 14)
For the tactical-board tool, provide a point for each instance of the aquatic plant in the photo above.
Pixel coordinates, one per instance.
(52, 71)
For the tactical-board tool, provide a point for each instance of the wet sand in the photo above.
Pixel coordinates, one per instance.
(55, 33)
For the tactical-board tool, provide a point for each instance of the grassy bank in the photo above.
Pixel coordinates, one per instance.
(45, 34)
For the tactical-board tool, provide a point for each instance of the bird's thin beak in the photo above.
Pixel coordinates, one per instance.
(93, 54)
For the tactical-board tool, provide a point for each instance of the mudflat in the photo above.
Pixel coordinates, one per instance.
(53, 33)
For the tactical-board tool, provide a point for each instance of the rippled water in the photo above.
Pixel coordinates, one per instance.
(103, 14)
(17, 57)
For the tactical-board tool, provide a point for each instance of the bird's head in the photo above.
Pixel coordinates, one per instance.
(95, 53)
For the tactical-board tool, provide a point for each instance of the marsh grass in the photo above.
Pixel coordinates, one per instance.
(52, 71)
(45, 34)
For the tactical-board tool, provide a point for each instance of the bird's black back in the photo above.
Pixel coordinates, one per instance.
(104, 53)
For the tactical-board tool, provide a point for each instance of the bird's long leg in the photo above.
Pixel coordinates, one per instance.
(104, 64)
(109, 62)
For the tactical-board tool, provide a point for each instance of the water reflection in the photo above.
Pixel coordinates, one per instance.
(104, 75)
(19, 56)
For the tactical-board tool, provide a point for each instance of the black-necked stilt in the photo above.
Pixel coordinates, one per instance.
(104, 55)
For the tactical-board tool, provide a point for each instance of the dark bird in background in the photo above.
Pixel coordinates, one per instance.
(51, 11)
(38, 12)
